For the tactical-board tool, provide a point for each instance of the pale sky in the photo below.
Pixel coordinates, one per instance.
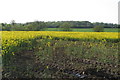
(59, 10)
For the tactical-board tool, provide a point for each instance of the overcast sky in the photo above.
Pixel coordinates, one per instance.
(59, 10)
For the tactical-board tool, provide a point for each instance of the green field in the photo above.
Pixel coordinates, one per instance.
(84, 29)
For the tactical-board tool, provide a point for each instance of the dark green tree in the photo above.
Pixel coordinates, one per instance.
(66, 26)
(36, 26)
(13, 22)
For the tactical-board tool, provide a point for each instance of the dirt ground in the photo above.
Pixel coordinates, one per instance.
(27, 65)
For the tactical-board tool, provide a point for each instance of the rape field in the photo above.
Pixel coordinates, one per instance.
(15, 38)
(66, 52)
(12, 39)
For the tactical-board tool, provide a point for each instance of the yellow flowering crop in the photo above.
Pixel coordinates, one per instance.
(32, 34)
(15, 38)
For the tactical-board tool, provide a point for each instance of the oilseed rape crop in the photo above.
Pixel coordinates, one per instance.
(25, 53)
(12, 40)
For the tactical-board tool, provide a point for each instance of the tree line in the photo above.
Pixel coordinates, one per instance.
(41, 25)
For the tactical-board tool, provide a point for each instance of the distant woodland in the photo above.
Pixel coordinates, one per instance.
(41, 25)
